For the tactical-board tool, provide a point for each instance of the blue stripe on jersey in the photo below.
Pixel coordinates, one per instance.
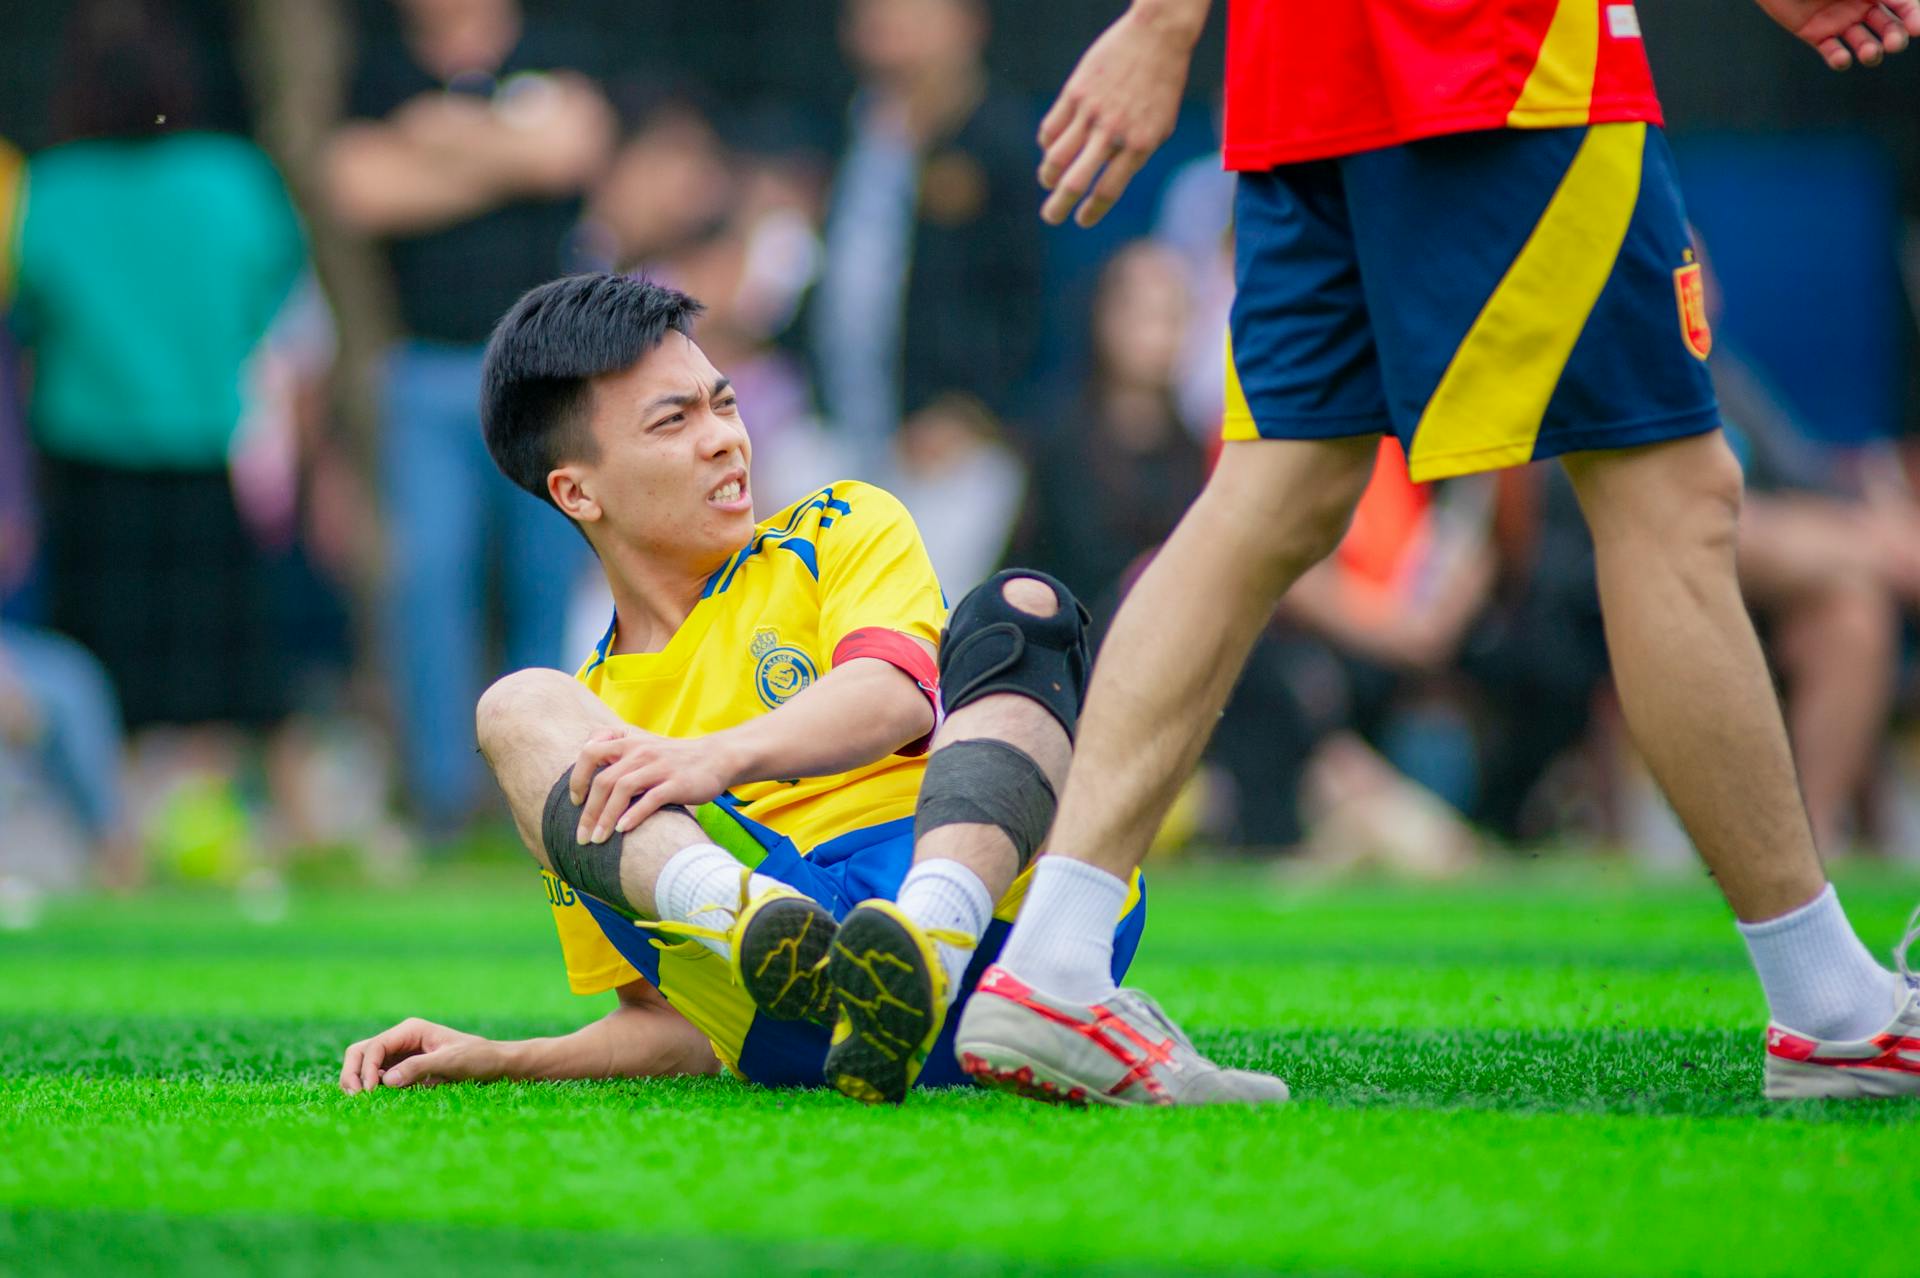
(601, 649)
(784, 538)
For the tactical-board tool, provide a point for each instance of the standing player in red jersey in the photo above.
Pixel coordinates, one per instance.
(1458, 222)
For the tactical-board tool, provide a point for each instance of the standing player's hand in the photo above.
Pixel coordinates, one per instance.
(624, 776)
(1118, 106)
(417, 1051)
(1843, 31)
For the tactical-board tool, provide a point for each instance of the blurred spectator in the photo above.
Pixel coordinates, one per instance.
(1195, 220)
(16, 484)
(670, 179)
(471, 141)
(61, 764)
(1118, 469)
(1830, 573)
(150, 260)
(932, 286)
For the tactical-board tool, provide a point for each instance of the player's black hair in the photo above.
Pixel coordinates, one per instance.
(544, 352)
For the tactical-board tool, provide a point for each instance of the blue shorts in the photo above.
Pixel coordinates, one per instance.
(840, 873)
(1490, 298)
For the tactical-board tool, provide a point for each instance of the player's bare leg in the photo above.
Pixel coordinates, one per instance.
(1271, 511)
(531, 726)
(995, 766)
(1694, 686)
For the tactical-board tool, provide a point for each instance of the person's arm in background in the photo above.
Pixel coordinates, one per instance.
(642, 1037)
(444, 157)
(1846, 31)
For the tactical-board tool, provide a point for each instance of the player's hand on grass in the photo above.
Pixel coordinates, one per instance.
(1118, 106)
(419, 1052)
(624, 776)
(1846, 31)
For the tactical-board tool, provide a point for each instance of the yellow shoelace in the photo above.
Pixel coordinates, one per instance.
(671, 927)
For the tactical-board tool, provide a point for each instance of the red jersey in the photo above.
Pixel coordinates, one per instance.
(1309, 79)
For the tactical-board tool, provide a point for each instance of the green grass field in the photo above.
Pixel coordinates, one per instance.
(1551, 1071)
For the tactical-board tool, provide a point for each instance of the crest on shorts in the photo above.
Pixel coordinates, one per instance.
(1690, 286)
(780, 670)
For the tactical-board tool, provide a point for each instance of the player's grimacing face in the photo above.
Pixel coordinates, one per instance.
(671, 472)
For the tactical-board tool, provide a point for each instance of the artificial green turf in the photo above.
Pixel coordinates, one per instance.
(1554, 1071)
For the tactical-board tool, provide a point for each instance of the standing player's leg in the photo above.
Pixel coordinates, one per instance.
(1013, 667)
(1272, 510)
(531, 726)
(1694, 686)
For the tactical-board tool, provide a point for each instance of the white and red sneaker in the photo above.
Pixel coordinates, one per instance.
(1887, 1064)
(1121, 1051)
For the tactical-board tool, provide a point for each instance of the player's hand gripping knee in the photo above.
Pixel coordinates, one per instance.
(624, 775)
(1846, 31)
(1118, 106)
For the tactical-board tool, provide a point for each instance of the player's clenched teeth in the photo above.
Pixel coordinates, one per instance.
(728, 492)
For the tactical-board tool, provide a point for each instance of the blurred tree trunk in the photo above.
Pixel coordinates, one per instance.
(296, 56)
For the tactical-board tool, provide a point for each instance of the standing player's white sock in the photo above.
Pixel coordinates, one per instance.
(1820, 980)
(1063, 941)
(944, 894)
(703, 876)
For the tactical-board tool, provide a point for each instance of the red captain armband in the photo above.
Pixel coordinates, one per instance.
(903, 654)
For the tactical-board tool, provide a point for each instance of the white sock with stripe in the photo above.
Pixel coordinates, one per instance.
(1062, 943)
(703, 876)
(944, 894)
(1819, 979)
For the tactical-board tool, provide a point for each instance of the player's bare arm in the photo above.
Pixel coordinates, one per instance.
(1848, 31)
(858, 713)
(1118, 106)
(641, 1037)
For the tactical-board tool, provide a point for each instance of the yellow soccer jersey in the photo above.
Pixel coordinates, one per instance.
(844, 559)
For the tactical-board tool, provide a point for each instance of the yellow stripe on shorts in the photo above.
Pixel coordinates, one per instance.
(1486, 412)
(1238, 423)
(700, 985)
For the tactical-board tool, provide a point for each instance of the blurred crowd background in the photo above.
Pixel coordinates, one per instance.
(255, 565)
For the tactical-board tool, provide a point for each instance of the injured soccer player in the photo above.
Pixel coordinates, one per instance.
(787, 808)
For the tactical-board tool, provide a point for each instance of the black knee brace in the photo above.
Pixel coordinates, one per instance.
(592, 868)
(987, 782)
(991, 646)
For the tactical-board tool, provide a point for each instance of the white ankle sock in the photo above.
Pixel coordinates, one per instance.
(945, 894)
(704, 875)
(1063, 941)
(1820, 980)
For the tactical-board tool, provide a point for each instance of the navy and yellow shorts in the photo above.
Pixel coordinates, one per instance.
(840, 873)
(1491, 298)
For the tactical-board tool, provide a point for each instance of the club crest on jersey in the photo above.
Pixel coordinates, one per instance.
(1690, 286)
(780, 670)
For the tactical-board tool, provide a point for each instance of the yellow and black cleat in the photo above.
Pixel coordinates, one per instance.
(780, 947)
(889, 992)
